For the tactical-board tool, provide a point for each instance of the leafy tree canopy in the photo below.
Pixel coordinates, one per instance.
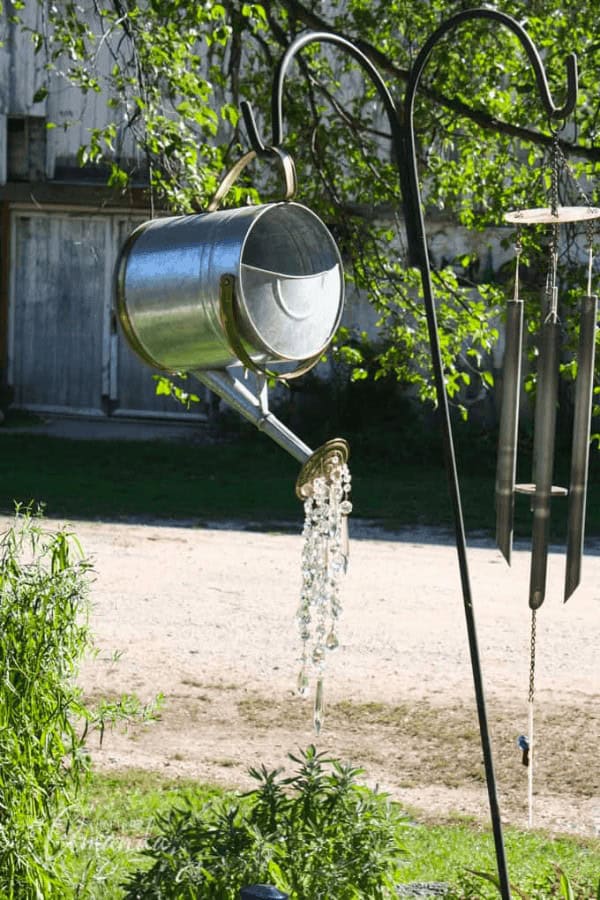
(177, 71)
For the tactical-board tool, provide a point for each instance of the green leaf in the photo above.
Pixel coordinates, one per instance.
(564, 884)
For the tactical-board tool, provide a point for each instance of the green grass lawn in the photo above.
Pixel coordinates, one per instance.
(119, 810)
(250, 478)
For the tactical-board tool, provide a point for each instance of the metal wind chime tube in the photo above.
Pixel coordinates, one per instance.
(580, 452)
(509, 421)
(543, 456)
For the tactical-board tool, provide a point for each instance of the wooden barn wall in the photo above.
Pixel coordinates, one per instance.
(57, 312)
(74, 114)
(64, 354)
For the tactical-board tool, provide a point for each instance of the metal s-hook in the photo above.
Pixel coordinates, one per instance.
(311, 37)
(565, 111)
(254, 138)
(262, 151)
(483, 12)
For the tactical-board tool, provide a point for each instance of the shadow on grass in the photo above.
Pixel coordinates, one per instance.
(249, 480)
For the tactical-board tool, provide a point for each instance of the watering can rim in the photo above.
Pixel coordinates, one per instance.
(259, 210)
(339, 265)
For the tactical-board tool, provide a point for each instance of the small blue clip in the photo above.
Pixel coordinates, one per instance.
(523, 744)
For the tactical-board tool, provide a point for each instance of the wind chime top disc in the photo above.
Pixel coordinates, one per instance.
(545, 216)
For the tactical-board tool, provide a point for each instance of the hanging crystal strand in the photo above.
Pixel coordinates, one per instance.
(304, 616)
(345, 509)
(324, 560)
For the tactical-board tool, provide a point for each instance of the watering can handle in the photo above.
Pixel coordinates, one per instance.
(287, 167)
(227, 306)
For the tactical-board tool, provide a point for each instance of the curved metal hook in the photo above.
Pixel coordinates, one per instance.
(303, 40)
(552, 111)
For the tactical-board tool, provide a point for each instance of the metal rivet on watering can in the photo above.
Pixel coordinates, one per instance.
(262, 892)
(288, 288)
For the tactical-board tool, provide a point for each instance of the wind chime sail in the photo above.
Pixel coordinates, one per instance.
(541, 490)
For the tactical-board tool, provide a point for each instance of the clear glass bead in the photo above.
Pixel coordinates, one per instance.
(318, 654)
(332, 641)
(303, 683)
(319, 712)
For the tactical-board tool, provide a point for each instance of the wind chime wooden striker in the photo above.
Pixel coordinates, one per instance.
(541, 490)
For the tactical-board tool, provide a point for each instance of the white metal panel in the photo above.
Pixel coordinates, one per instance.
(77, 114)
(65, 353)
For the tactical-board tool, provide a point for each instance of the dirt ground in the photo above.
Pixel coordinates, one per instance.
(206, 617)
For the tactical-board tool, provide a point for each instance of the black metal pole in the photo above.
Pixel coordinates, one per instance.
(403, 140)
(414, 214)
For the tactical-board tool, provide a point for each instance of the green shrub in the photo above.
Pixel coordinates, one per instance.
(43, 635)
(318, 834)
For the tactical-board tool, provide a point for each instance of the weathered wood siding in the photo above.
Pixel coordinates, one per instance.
(64, 354)
(55, 357)
(74, 114)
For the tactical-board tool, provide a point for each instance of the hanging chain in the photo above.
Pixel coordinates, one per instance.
(531, 748)
(532, 656)
(551, 280)
(563, 164)
(518, 252)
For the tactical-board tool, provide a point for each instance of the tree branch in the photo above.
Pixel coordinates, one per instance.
(478, 116)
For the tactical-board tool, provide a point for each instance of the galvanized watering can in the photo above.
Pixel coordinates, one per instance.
(258, 286)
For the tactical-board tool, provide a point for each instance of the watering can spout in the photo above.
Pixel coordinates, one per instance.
(255, 410)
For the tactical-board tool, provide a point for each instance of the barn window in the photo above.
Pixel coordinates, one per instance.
(26, 148)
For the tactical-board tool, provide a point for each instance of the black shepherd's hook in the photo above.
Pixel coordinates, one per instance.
(403, 141)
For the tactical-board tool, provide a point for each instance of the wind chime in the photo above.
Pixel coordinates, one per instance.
(541, 490)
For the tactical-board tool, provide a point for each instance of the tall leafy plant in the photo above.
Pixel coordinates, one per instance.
(44, 633)
(44, 720)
